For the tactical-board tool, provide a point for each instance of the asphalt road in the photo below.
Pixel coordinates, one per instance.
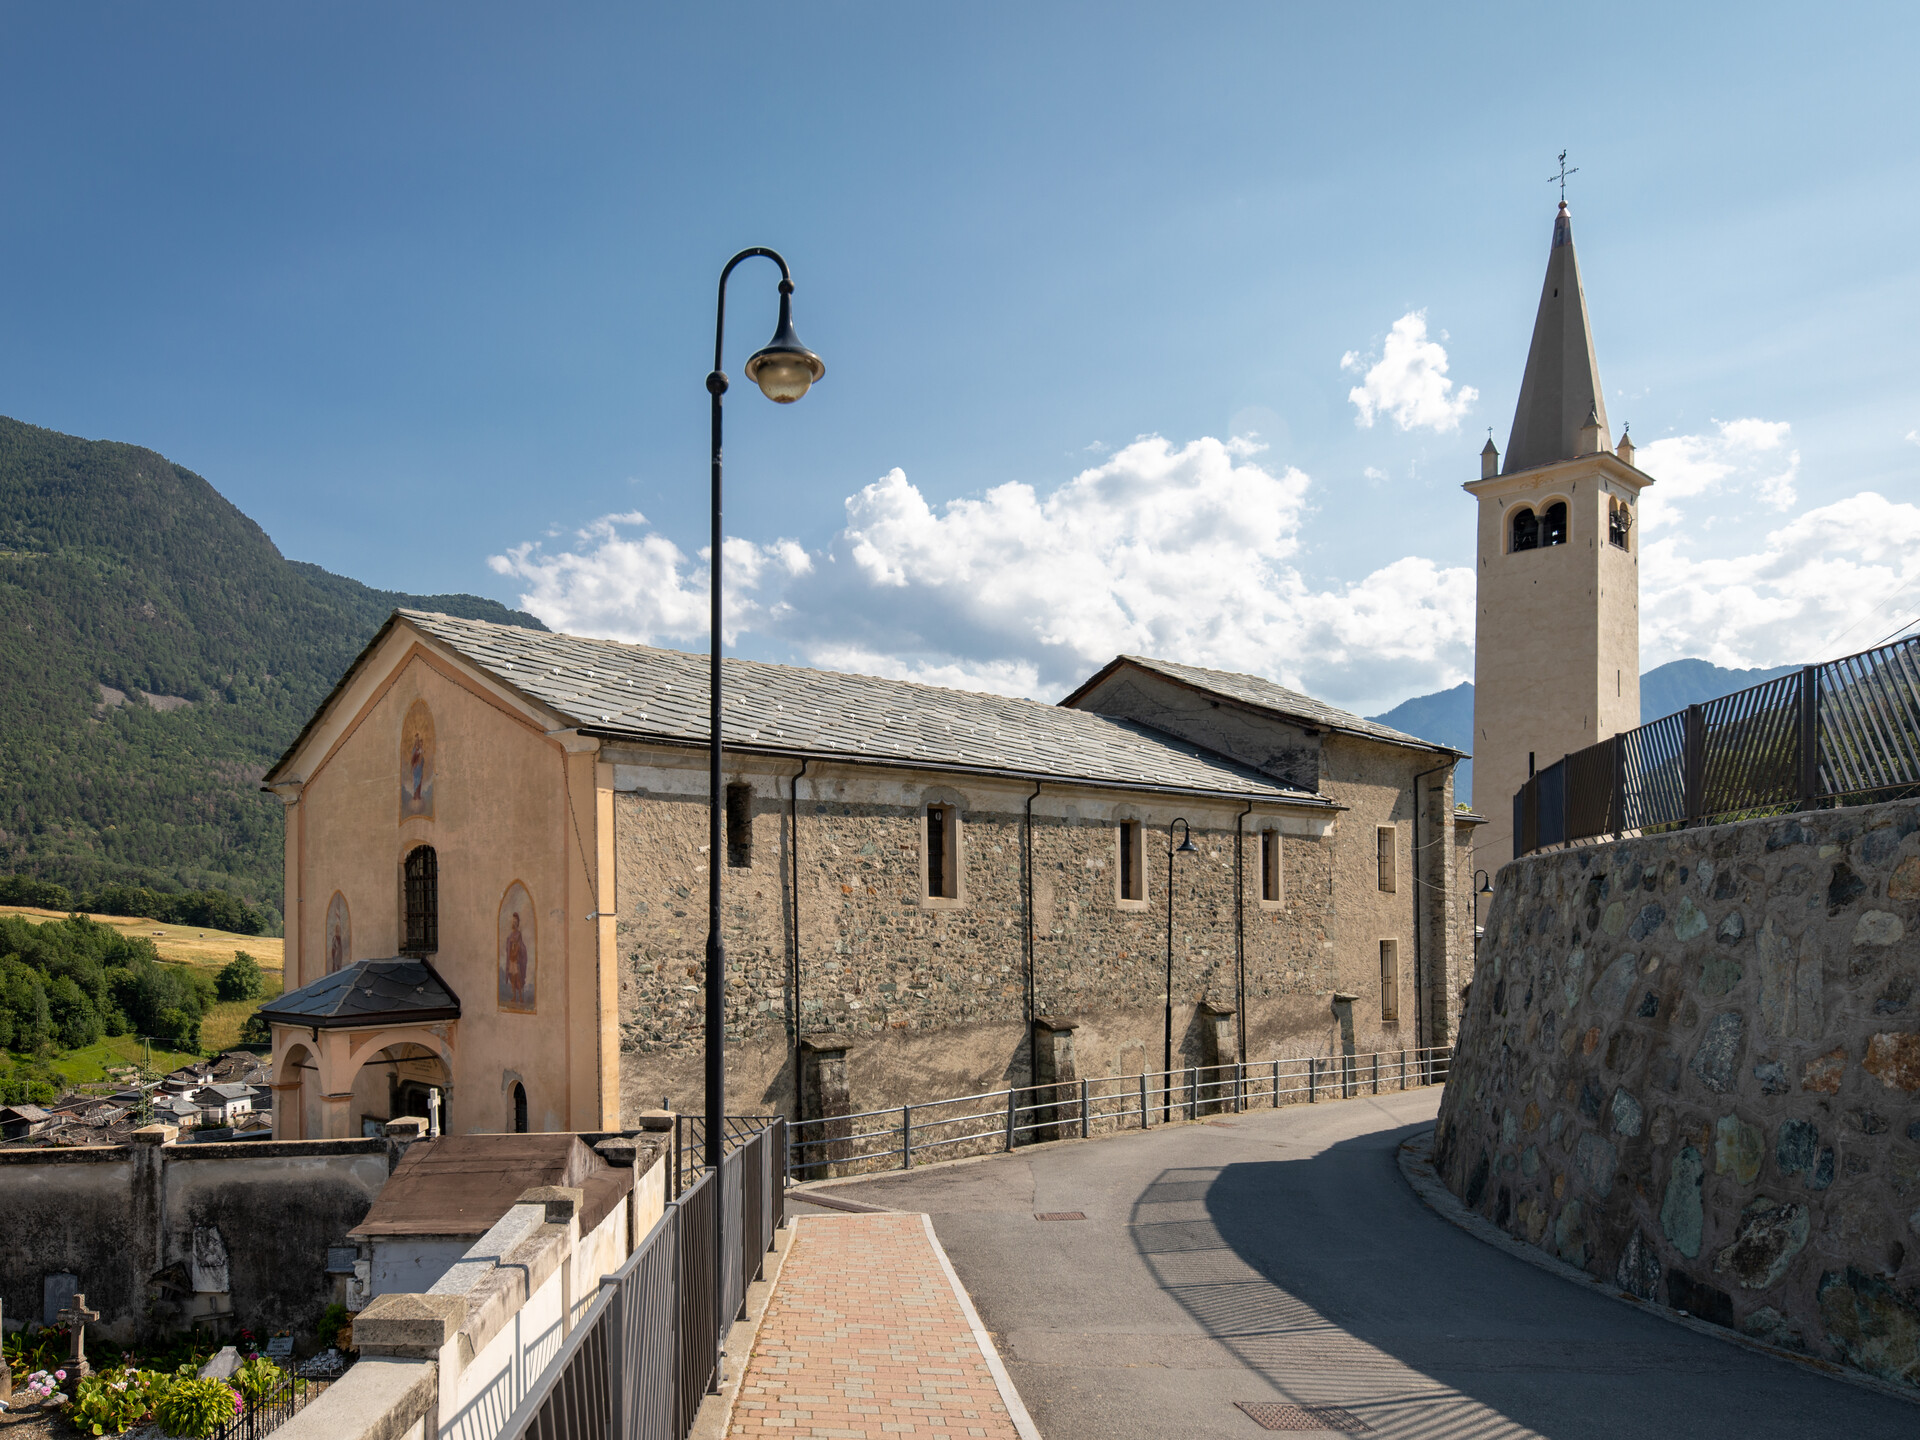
(1281, 1257)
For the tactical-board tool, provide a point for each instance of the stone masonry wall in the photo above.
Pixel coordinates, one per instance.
(932, 998)
(1691, 1066)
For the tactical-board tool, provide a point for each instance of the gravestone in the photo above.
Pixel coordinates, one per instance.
(221, 1366)
(209, 1264)
(280, 1350)
(77, 1315)
(56, 1294)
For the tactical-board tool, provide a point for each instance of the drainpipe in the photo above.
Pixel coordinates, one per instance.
(1240, 927)
(1419, 967)
(1028, 866)
(793, 980)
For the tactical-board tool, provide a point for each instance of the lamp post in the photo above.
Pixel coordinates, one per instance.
(1481, 886)
(1186, 847)
(783, 369)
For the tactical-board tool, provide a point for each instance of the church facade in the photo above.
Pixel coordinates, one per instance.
(497, 867)
(1557, 617)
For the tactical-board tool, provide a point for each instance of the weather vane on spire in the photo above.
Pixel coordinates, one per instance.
(1562, 176)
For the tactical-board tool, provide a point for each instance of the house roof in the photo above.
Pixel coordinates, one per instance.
(1261, 693)
(463, 1184)
(31, 1113)
(210, 1094)
(635, 692)
(367, 992)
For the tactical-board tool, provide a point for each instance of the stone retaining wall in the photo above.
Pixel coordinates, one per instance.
(1690, 1064)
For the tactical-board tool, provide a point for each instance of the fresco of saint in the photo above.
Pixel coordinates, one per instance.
(339, 933)
(416, 762)
(517, 951)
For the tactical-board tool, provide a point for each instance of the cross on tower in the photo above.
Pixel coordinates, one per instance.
(1562, 176)
(77, 1315)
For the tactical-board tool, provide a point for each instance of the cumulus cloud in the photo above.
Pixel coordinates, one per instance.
(1750, 458)
(1409, 381)
(1187, 552)
(1830, 581)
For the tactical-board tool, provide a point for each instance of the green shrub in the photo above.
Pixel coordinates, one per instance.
(240, 978)
(113, 1400)
(194, 1407)
(258, 1378)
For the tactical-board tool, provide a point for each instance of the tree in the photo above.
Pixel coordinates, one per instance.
(240, 978)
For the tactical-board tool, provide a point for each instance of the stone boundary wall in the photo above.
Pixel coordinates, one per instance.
(1690, 1065)
(157, 1234)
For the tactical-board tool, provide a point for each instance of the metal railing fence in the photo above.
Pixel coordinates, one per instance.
(274, 1409)
(901, 1135)
(1843, 733)
(637, 1363)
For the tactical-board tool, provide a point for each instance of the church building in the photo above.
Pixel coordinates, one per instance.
(496, 871)
(1557, 620)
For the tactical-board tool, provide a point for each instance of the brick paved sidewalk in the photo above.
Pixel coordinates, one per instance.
(865, 1337)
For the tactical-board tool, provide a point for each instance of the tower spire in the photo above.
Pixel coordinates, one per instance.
(1561, 387)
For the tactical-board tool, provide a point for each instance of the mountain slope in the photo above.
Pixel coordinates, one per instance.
(119, 569)
(1447, 715)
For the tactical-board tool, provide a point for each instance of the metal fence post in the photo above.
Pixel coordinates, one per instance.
(1143, 1099)
(1193, 1092)
(1086, 1124)
(1010, 1095)
(1276, 1084)
(1694, 765)
(906, 1137)
(1403, 1069)
(1809, 735)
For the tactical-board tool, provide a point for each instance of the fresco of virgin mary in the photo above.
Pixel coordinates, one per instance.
(517, 951)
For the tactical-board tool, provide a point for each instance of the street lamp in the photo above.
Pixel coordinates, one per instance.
(1186, 847)
(783, 369)
(1481, 886)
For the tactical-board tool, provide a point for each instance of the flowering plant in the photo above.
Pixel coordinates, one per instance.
(194, 1407)
(114, 1400)
(42, 1383)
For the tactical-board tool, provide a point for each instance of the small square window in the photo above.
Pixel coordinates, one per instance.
(740, 826)
(1389, 979)
(1272, 889)
(943, 859)
(1384, 840)
(1133, 870)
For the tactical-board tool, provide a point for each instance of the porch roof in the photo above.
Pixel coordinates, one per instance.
(367, 993)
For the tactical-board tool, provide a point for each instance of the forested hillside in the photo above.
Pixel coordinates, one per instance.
(119, 569)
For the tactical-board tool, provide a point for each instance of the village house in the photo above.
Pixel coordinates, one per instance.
(496, 874)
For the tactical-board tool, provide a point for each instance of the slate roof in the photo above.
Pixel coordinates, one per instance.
(368, 992)
(637, 692)
(1263, 694)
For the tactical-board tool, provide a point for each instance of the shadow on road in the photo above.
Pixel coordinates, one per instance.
(1331, 1279)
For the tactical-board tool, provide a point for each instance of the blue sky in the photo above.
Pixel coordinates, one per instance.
(427, 291)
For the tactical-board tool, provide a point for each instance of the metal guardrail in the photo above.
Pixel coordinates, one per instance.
(637, 1363)
(894, 1138)
(1843, 733)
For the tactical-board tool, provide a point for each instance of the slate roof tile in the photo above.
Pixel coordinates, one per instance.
(365, 993)
(640, 692)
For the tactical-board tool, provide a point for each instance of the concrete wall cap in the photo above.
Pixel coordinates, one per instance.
(409, 1326)
(825, 1043)
(1055, 1024)
(563, 1202)
(156, 1135)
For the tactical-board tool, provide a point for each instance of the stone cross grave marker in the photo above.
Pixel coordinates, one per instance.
(77, 1315)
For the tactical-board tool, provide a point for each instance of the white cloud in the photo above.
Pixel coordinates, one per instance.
(1741, 457)
(1185, 552)
(1409, 381)
(1828, 582)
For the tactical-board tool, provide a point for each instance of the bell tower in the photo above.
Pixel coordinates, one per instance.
(1557, 619)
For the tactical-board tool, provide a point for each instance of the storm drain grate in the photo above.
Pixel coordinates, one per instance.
(1060, 1215)
(1270, 1415)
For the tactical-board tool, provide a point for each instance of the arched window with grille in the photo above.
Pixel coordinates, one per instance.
(1553, 524)
(1525, 529)
(422, 890)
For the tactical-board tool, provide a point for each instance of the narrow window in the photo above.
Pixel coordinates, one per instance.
(423, 902)
(942, 868)
(740, 826)
(1270, 866)
(1526, 530)
(1619, 522)
(1132, 868)
(1383, 839)
(1553, 526)
(1389, 979)
(519, 1108)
